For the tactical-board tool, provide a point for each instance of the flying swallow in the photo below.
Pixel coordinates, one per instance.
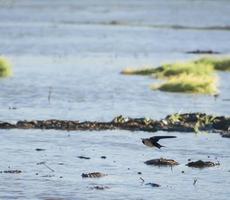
(153, 141)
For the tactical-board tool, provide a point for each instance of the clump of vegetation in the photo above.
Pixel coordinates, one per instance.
(218, 63)
(145, 71)
(189, 84)
(5, 67)
(184, 68)
(187, 77)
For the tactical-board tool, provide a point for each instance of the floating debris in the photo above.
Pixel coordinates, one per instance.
(153, 184)
(84, 157)
(93, 175)
(194, 181)
(39, 149)
(161, 162)
(48, 167)
(99, 187)
(11, 171)
(202, 164)
(203, 52)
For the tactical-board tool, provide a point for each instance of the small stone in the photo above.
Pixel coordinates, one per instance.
(139, 172)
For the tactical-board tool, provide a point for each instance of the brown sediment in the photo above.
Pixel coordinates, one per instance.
(202, 164)
(161, 162)
(188, 122)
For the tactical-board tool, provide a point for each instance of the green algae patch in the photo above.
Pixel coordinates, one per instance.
(218, 63)
(189, 84)
(5, 67)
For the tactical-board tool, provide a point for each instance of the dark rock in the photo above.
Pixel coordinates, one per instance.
(161, 162)
(139, 173)
(93, 175)
(202, 164)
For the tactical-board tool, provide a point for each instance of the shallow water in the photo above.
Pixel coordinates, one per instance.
(74, 51)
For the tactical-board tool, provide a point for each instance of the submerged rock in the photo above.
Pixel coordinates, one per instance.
(93, 175)
(161, 162)
(202, 164)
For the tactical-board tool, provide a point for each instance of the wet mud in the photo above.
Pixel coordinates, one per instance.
(188, 122)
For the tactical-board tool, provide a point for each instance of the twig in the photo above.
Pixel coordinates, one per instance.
(49, 95)
(194, 181)
(142, 180)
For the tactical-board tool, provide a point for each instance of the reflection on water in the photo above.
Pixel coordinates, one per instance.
(125, 156)
(78, 51)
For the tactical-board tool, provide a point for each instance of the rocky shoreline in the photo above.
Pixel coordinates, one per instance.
(188, 122)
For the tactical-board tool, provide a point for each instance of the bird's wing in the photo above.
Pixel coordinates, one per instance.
(157, 138)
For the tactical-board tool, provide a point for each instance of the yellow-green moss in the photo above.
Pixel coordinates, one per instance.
(189, 84)
(5, 67)
(218, 63)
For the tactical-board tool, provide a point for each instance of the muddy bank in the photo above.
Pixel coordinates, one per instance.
(188, 122)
